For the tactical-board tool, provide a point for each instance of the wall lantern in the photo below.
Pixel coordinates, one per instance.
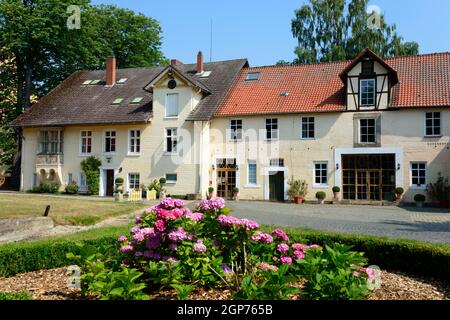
(337, 166)
(399, 166)
(237, 167)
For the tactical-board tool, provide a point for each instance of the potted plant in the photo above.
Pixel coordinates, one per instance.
(439, 191)
(209, 195)
(321, 197)
(336, 192)
(162, 191)
(419, 199)
(297, 190)
(235, 193)
(399, 193)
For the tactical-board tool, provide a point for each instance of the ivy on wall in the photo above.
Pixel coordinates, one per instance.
(91, 167)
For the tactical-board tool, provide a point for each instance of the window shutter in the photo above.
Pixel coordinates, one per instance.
(172, 105)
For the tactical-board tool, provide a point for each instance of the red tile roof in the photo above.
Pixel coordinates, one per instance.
(424, 81)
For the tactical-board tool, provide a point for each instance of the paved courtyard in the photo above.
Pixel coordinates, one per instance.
(426, 224)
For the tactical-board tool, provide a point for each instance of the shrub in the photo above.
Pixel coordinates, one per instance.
(119, 180)
(210, 189)
(439, 190)
(420, 198)
(162, 180)
(297, 188)
(91, 167)
(235, 190)
(321, 195)
(155, 184)
(72, 188)
(336, 189)
(23, 295)
(399, 191)
(52, 187)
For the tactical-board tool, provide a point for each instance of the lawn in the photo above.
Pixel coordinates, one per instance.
(64, 210)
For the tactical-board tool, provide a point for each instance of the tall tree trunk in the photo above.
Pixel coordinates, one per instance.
(28, 77)
(20, 84)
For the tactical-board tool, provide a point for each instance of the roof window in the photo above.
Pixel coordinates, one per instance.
(205, 74)
(87, 82)
(117, 101)
(122, 80)
(137, 100)
(252, 76)
(95, 81)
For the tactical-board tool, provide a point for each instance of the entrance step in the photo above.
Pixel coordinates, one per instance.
(368, 203)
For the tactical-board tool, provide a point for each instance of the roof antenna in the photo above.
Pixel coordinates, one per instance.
(211, 42)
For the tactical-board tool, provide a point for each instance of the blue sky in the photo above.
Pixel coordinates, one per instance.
(260, 29)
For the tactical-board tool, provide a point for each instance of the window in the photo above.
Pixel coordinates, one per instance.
(432, 124)
(172, 105)
(137, 100)
(171, 177)
(252, 180)
(135, 141)
(110, 141)
(122, 80)
(83, 182)
(86, 142)
(133, 181)
(277, 162)
(367, 67)
(205, 74)
(87, 82)
(367, 131)
(321, 174)
(50, 142)
(252, 76)
(35, 179)
(95, 81)
(117, 101)
(171, 140)
(367, 92)
(69, 178)
(271, 129)
(418, 174)
(308, 128)
(236, 130)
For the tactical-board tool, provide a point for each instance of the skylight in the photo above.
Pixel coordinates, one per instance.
(95, 81)
(252, 76)
(117, 101)
(137, 100)
(205, 74)
(87, 82)
(122, 80)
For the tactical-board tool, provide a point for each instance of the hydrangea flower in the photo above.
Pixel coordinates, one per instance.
(262, 237)
(177, 235)
(299, 247)
(153, 242)
(299, 255)
(138, 220)
(139, 254)
(122, 239)
(226, 269)
(286, 260)
(126, 249)
(148, 231)
(178, 203)
(280, 235)
(283, 248)
(249, 224)
(217, 203)
(173, 246)
(138, 237)
(167, 203)
(196, 216)
(199, 246)
(265, 267)
(160, 225)
(152, 255)
(228, 221)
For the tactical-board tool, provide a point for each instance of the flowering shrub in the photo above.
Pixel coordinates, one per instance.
(171, 246)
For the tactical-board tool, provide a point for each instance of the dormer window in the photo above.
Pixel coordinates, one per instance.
(252, 76)
(367, 67)
(367, 92)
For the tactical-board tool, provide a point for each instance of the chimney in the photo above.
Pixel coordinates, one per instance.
(200, 62)
(175, 62)
(111, 71)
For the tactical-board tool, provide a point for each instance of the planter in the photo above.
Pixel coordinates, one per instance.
(298, 200)
(235, 196)
(398, 197)
(419, 204)
(320, 201)
(162, 194)
(118, 196)
(336, 197)
(209, 196)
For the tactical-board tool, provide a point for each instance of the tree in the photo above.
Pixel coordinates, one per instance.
(42, 51)
(333, 30)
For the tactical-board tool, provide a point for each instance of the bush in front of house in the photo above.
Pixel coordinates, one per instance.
(52, 187)
(321, 195)
(420, 198)
(91, 168)
(172, 247)
(71, 188)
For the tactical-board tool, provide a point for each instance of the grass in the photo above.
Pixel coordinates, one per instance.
(64, 210)
(23, 295)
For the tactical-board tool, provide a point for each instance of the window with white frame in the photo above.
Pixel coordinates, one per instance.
(419, 174)
(252, 178)
(133, 181)
(271, 129)
(367, 92)
(110, 141)
(50, 141)
(171, 177)
(86, 142)
(276, 162)
(308, 128)
(171, 140)
(69, 178)
(172, 105)
(321, 173)
(135, 142)
(83, 182)
(235, 130)
(432, 124)
(367, 131)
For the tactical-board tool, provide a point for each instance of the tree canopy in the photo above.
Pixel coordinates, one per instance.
(333, 30)
(38, 50)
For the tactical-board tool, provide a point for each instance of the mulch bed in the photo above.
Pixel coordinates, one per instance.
(52, 285)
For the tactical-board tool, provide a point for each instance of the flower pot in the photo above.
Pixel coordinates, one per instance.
(298, 200)
(320, 201)
(336, 196)
(235, 196)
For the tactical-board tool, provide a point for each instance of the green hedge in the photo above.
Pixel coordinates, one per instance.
(408, 256)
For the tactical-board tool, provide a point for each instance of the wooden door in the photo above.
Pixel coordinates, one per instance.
(226, 177)
(276, 186)
(109, 183)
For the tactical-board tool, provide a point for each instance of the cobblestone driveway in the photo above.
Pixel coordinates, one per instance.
(426, 224)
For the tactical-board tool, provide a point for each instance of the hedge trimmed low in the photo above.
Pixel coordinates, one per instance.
(409, 256)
